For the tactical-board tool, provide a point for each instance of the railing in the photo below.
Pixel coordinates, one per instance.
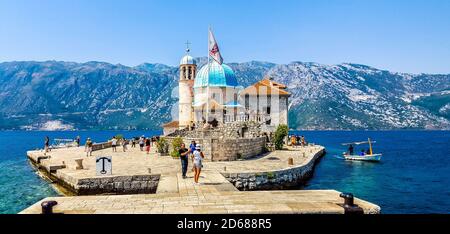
(259, 118)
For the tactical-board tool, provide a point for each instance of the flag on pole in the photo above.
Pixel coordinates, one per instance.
(214, 51)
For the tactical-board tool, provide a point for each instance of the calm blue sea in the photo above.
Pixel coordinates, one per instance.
(413, 176)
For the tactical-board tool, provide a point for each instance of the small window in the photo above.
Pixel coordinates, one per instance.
(247, 101)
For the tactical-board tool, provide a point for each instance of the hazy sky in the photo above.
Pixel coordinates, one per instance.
(399, 35)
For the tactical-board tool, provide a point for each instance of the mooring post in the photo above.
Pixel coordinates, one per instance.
(349, 205)
(290, 161)
(79, 162)
(47, 207)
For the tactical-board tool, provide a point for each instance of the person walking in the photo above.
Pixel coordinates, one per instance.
(304, 141)
(133, 142)
(192, 146)
(78, 139)
(141, 143)
(114, 144)
(191, 153)
(198, 157)
(88, 147)
(124, 144)
(153, 139)
(46, 145)
(147, 145)
(184, 152)
(293, 141)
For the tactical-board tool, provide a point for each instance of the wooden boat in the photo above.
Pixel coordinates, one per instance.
(370, 157)
(374, 158)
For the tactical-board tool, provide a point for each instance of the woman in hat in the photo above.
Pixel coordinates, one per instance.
(198, 157)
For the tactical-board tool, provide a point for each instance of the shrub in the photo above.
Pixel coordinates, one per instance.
(162, 145)
(175, 154)
(280, 135)
(119, 136)
(176, 145)
(271, 175)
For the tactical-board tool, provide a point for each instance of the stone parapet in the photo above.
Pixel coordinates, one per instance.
(276, 179)
(100, 146)
(117, 185)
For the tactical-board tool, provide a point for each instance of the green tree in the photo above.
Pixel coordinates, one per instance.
(280, 135)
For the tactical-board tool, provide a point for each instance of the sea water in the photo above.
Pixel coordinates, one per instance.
(20, 185)
(413, 176)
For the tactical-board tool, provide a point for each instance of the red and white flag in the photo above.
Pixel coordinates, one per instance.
(214, 51)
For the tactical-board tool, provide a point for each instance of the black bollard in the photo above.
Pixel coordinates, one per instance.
(348, 199)
(47, 207)
(349, 205)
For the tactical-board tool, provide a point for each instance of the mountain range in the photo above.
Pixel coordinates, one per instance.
(56, 95)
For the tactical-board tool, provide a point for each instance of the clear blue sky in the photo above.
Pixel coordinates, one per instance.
(399, 35)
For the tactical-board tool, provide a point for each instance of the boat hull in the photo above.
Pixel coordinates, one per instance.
(369, 158)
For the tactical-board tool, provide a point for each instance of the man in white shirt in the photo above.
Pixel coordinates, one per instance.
(114, 144)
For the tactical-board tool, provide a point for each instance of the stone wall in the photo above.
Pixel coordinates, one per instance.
(112, 185)
(226, 149)
(231, 141)
(100, 146)
(282, 179)
(234, 149)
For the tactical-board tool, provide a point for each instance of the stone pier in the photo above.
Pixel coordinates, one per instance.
(154, 184)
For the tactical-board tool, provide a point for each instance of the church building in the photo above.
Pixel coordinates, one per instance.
(212, 96)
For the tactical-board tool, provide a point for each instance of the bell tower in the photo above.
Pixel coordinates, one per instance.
(188, 71)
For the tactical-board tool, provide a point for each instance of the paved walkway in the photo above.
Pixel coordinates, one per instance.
(136, 162)
(207, 200)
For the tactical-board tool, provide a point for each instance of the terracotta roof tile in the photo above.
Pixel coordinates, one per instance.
(173, 124)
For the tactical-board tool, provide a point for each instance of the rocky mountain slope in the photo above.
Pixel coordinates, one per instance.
(63, 95)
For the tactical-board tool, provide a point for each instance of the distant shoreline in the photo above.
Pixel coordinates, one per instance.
(291, 130)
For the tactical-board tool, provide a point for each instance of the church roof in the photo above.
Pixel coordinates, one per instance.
(268, 81)
(266, 87)
(173, 124)
(216, 76)
(187, 59)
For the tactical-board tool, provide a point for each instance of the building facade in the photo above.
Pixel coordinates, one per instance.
(213, 96)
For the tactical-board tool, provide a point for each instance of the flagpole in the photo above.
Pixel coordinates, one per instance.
(207, 87)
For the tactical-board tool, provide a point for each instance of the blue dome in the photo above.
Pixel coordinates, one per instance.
(218, 76)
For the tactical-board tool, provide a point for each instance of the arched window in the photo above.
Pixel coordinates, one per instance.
(189, 76)
(183, 72)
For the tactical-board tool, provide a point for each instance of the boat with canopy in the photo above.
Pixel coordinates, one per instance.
(363, 156)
